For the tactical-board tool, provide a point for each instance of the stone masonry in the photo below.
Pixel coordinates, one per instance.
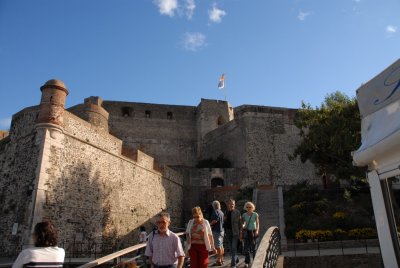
(70, 171)
(101, 169)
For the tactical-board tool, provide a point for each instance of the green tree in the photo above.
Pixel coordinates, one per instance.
(330, 133)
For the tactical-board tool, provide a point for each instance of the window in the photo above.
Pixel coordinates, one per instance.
(147, 114)
(126, 111)
(169, 115)
(220, 120)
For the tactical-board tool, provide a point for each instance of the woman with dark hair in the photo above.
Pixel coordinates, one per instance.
(45, 240)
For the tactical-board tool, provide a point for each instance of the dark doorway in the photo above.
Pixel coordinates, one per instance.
(217, 182)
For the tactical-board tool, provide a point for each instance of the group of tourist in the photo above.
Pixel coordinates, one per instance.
(164, 248)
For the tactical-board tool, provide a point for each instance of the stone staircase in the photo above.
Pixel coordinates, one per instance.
(269, 205)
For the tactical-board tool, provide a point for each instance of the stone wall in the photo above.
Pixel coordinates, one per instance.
(271, 138)
(166, 132)
(18, 162)
(101, 187)
(229, 140)
(78, 178)
(211, 114)
(203, 176)
(95, 194)
(260, 139)
(197, 184)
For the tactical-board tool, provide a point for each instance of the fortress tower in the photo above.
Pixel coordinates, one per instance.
(210, 115)
(52, 103)
(81, 169)
(95, 114)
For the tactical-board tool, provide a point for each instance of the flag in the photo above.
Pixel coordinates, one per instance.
(221, 83)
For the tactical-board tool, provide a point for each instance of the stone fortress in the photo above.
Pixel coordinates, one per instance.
(101, 169)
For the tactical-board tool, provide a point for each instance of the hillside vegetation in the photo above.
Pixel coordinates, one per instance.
(330, 214)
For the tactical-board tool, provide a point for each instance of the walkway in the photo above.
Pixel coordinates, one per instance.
(6, 262)
(227, 261)
(332, 251)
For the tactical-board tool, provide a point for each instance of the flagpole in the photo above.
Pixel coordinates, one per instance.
(221, 84)
(225, 94)
(224, 88)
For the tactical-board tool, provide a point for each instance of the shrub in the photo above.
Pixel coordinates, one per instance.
(324, 235)
(309, 208)
(303, 235)
(362, 233)
(321, 235)
(339, 234)
(298, 206)
(339, 215)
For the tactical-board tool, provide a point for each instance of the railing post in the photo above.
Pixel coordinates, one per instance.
(341, 244)
(294, 244)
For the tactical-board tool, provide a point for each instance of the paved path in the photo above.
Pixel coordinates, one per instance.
(5, 262)
(227, 261)
(334, 251)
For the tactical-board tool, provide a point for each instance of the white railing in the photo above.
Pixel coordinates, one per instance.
(115, 257)
(268, 250)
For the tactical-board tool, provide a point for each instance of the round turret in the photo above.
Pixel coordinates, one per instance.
(95, 114)
(52, 103)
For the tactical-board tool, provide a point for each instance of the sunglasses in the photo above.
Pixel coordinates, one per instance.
(196, 217)
(161, 222)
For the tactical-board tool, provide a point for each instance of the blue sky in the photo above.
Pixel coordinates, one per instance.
(273, 52)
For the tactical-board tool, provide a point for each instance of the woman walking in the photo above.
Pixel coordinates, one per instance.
(251, 227)
(199, 239)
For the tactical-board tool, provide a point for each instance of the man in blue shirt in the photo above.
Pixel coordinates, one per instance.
(217, 223)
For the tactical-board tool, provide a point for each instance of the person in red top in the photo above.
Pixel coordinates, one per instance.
(199, 239)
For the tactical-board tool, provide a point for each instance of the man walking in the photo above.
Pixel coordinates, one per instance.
(164, 247)
(217, 226)
(233, 228)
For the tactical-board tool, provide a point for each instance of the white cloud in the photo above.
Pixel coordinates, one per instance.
(190, 7)
(167, 7)
(215, 14)
(391, 29)
(302, 15)
(194, 41)
(5, 123)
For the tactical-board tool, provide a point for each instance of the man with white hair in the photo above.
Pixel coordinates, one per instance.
(217, 226)
(164, 248)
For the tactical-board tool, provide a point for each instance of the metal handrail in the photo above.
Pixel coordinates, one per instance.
(269, 249)
(116, 255)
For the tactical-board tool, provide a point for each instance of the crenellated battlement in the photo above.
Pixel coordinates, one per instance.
(100, 169)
